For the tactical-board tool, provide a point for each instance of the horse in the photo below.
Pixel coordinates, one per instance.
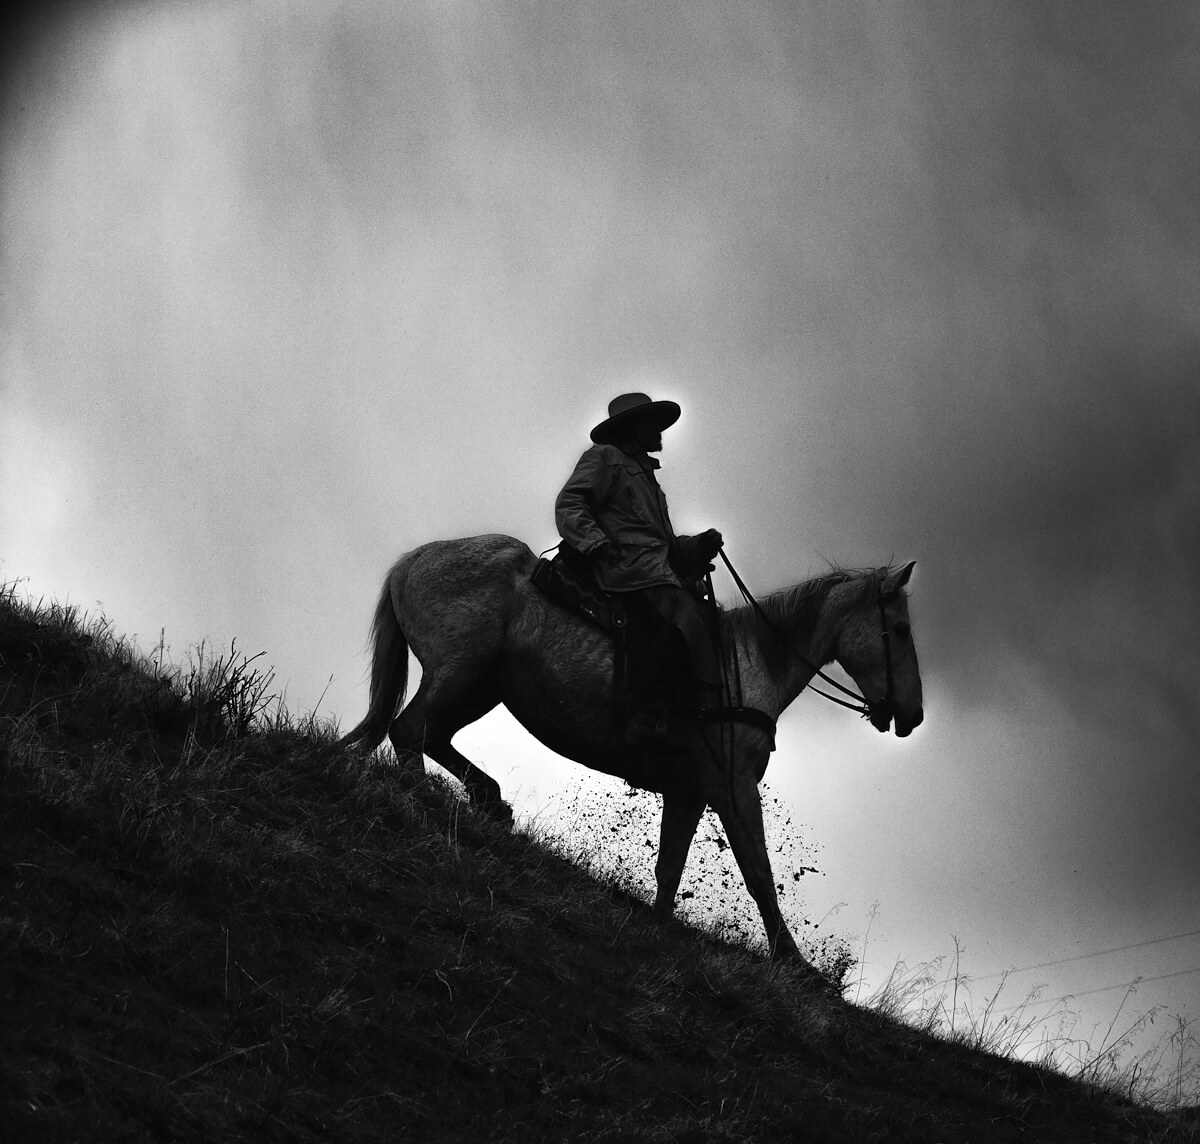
(484, 635)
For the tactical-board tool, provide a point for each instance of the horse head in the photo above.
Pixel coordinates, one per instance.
(875, 646)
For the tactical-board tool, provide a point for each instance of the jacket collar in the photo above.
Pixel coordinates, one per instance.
(641, 456)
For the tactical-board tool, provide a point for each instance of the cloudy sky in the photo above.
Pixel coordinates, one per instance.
(290, 288)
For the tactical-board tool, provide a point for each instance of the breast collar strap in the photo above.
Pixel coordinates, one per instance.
(751, 716)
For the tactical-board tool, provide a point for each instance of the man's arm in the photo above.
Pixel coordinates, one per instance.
(575, 508)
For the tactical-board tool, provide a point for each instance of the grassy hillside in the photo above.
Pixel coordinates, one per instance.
(216, 927)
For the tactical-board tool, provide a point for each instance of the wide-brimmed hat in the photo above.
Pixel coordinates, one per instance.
(630, 408)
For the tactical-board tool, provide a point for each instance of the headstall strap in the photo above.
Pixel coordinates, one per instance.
(886, 633)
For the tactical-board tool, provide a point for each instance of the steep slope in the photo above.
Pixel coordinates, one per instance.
(215, 926)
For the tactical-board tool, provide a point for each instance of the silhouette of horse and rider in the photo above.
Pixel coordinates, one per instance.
(622, 661)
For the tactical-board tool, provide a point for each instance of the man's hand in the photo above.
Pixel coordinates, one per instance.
(695, 553)
(708, 544)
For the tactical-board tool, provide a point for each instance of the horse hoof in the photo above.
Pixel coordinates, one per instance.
(503, 814)
(498, 811)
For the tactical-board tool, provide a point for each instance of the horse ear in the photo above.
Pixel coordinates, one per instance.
(897, 580)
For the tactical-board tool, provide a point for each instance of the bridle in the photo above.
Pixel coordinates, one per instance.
(885, 633)
(860, 705)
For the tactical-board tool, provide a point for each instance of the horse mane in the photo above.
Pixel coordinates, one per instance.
(791, 613)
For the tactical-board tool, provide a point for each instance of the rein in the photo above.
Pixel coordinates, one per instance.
(737, 711)
(861, 705)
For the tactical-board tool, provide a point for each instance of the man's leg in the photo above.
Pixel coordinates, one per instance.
(656, 656)
(700, 671)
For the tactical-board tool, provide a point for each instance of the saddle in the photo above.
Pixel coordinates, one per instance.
(568, 580)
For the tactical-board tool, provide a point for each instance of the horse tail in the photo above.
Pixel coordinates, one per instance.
(389, 675)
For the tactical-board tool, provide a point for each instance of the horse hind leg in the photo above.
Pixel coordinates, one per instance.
(482, 789)
(442, 706)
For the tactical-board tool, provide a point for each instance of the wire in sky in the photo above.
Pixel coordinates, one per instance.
(1083, 956)
(1102, 989)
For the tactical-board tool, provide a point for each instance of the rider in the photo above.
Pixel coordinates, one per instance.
(612, 512)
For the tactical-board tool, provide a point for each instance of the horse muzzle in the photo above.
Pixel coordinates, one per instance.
(906, 726)
(884, 718)
(880, 715)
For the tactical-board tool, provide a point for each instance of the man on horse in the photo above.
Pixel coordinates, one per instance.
(612, 515)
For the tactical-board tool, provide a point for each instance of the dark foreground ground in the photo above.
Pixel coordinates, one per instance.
(214, 927)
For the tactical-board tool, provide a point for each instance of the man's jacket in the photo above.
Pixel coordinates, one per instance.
(613, 496)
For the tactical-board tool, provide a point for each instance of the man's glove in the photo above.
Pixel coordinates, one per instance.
(708, 544)
(696, 552)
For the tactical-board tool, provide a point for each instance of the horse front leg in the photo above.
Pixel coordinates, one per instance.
(741, 815)
(680, 817)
